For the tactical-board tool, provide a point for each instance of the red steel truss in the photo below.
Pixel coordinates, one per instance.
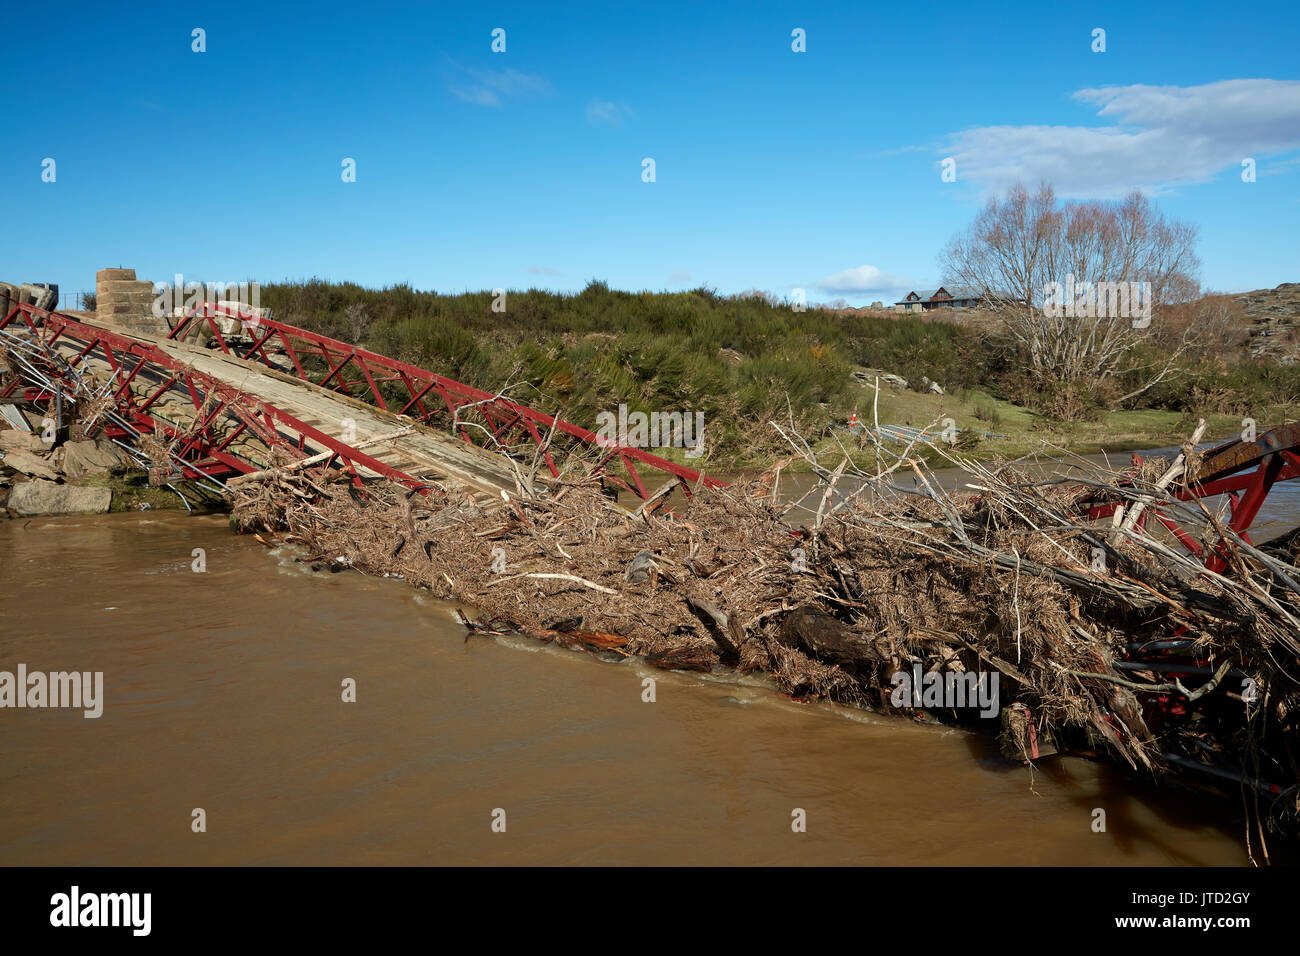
(421, 394)
(1244, 471)
(201, 450)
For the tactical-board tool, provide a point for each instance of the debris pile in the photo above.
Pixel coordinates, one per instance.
(1104, 638)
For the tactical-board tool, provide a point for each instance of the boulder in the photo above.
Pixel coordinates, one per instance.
(11, 439)
(46, 498)
(84, 458)
(868, 376)
(641, 568)
(29, 464)
(39, 296)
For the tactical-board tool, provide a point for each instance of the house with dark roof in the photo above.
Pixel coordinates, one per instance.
(941, 298)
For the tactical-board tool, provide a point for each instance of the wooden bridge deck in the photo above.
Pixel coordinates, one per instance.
(424, 453)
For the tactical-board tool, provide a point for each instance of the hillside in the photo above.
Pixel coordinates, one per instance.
(742, 361)
(1274, 316)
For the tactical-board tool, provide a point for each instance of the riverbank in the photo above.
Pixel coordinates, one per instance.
(986, 427)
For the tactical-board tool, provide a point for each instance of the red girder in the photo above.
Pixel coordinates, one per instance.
(1224, 471)
(500, 415)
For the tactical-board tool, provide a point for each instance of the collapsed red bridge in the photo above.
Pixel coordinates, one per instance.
(202, 450)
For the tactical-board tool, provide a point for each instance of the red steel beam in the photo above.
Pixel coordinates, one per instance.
(494, 410)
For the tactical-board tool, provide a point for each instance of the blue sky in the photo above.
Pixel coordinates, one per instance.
(774, 169)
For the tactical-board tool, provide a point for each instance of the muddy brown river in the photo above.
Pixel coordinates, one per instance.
(222, 692)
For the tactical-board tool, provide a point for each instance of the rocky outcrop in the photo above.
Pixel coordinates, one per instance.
(1274, 316)
(81, 459)
(26, 457)
(29, 498)
(868, 376)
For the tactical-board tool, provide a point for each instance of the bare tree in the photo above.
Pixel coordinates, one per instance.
(1214, 325)
(358, 318)
(1075, 284)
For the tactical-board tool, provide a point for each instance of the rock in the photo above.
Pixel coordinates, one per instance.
(1273, 314)
(47, 498)
(868, 376)
(29, 464)
(232, 306)
(84, 458)
(13, 440)
(38, 296)
(638, 570)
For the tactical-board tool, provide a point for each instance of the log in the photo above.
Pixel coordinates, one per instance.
(313, 459)
(823, 637)
(727, 632)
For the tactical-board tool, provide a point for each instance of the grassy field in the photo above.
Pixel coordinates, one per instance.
(1021, 431)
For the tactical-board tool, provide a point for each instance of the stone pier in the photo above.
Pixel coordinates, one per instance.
(123, 300)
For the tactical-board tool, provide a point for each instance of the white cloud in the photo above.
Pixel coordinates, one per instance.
(477, 95)
(604, 113)
(861, 280)
(1159, 137)
(492, 87)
